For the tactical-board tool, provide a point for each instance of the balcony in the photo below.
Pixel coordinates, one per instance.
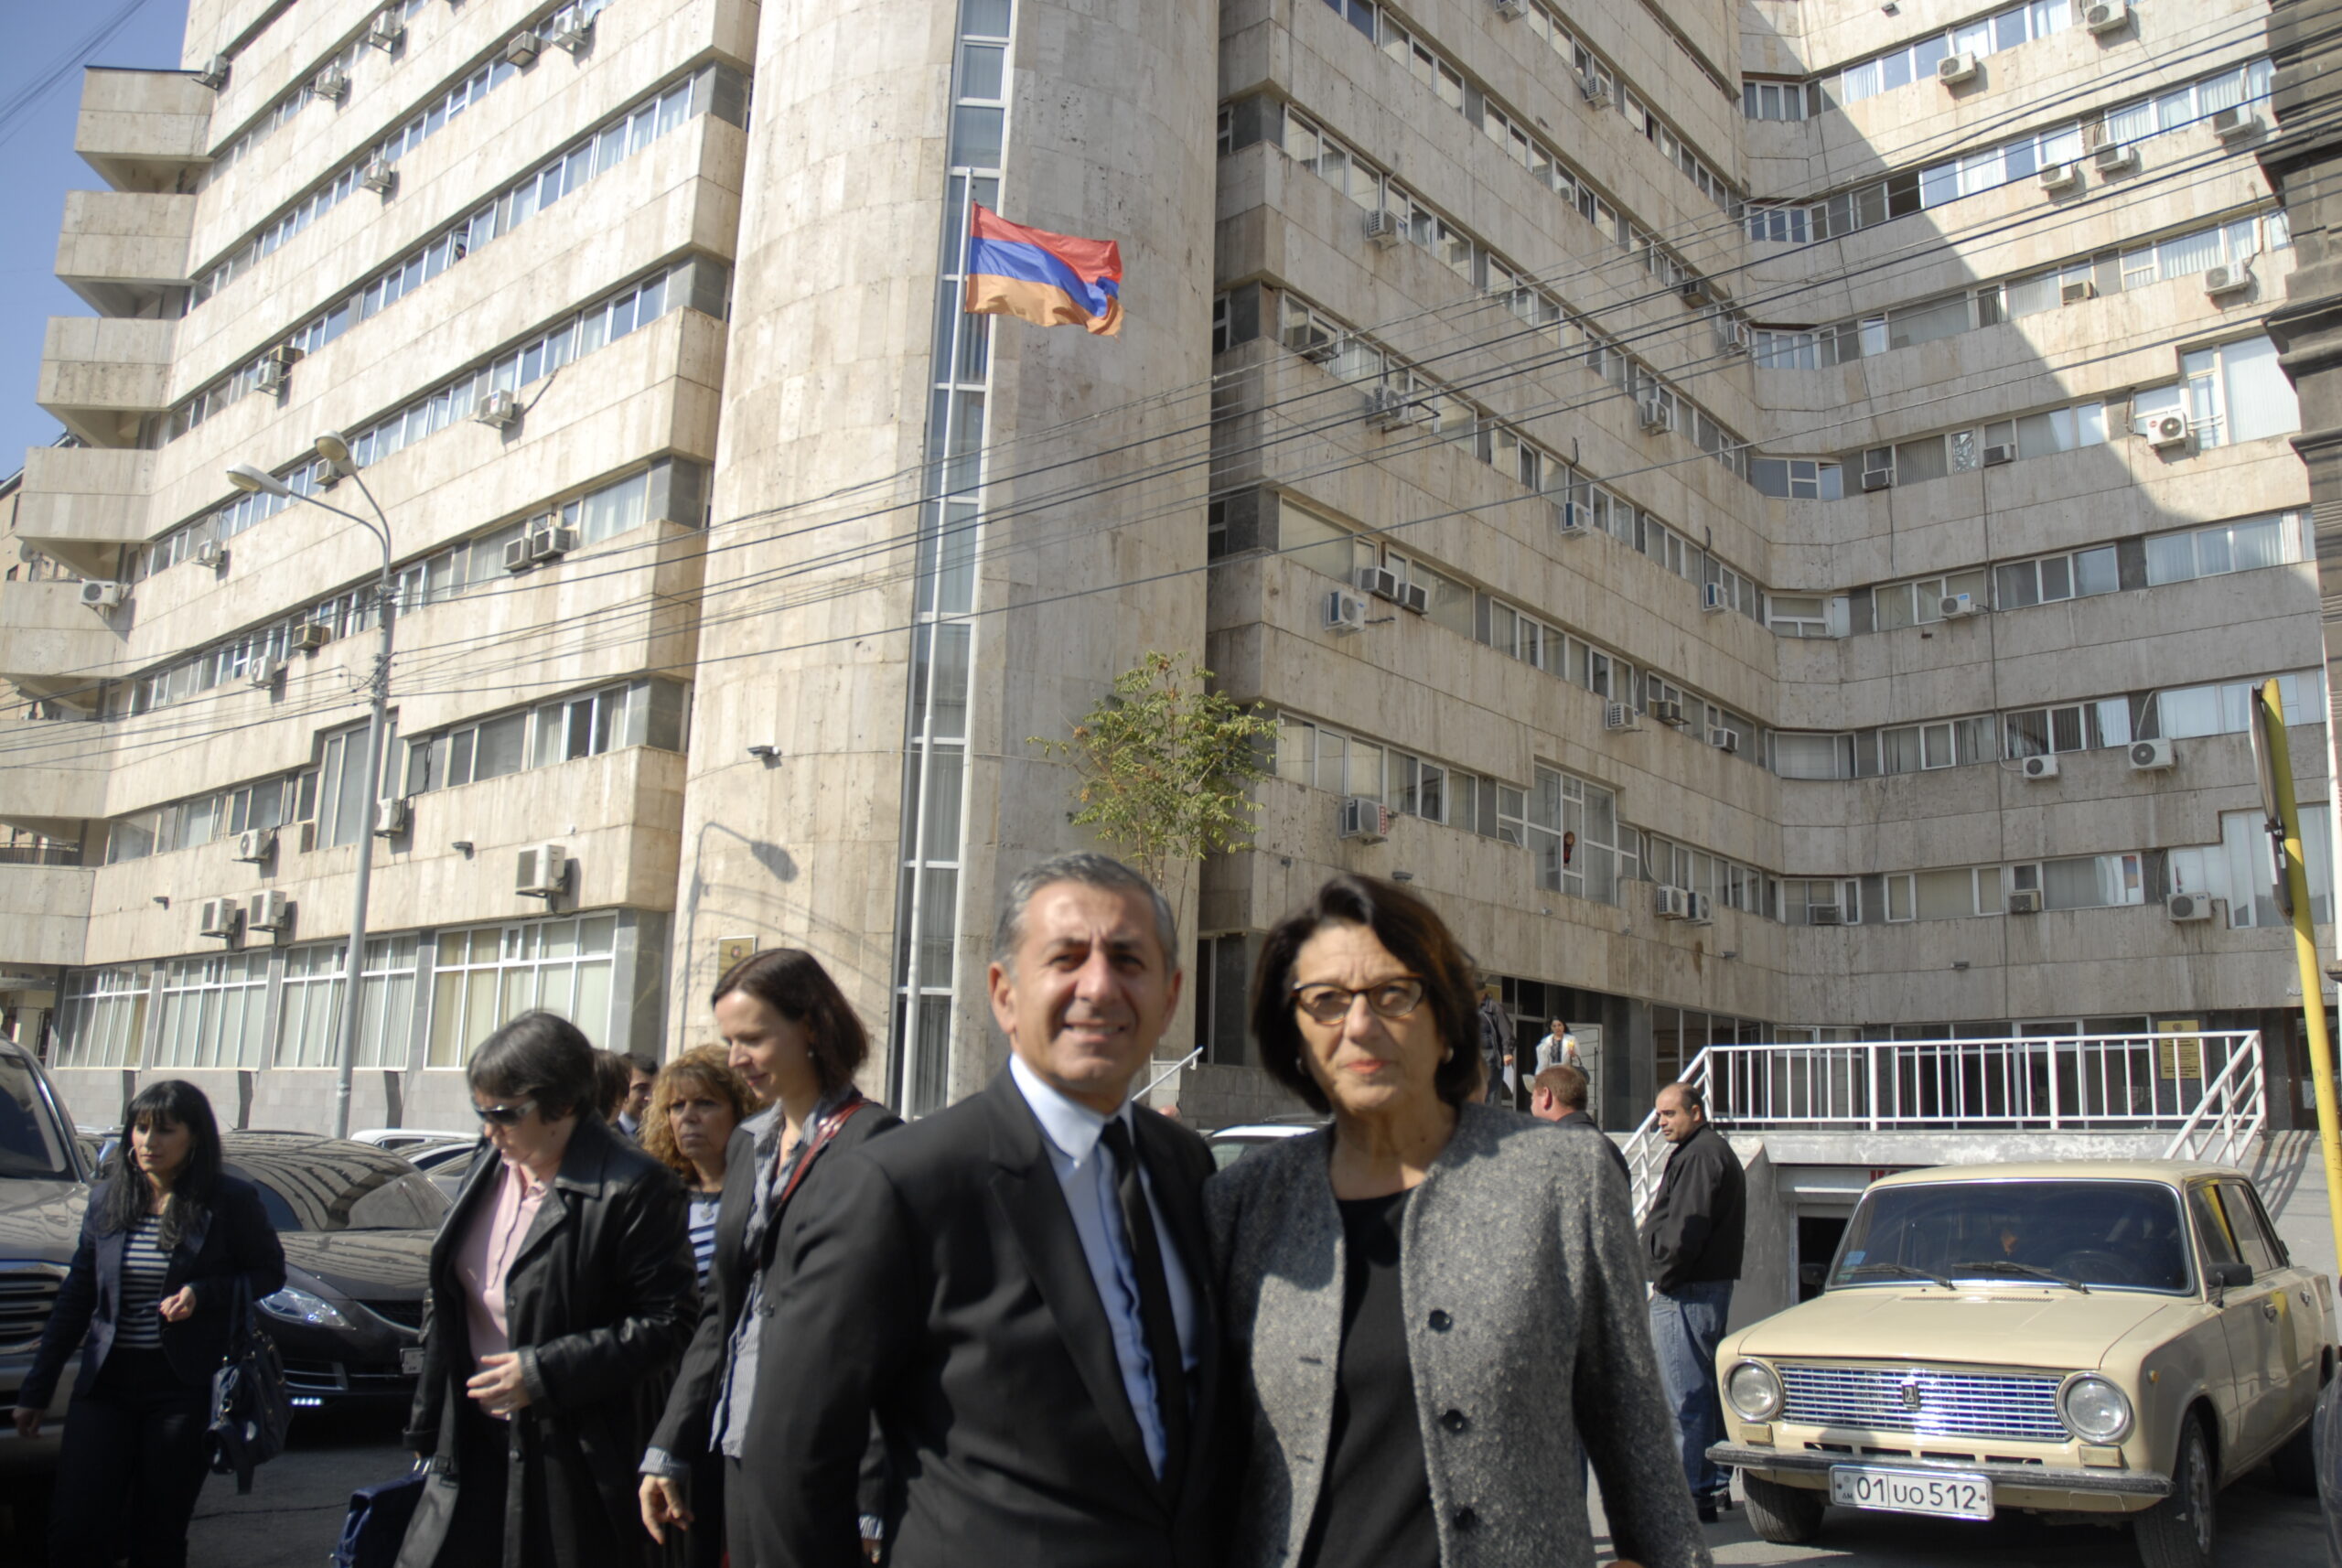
(44, 914)
(83, 504)
(54, 648)
(124, 252)
(102, 379)
(144, 129)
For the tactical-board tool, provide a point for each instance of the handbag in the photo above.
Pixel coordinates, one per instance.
(251, 1411)
(375, 1527)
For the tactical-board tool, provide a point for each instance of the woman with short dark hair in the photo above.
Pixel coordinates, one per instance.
(561, 1293)
(172, 1248)
(1426, 1243)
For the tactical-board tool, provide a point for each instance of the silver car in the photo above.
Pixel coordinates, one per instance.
(44, 1186)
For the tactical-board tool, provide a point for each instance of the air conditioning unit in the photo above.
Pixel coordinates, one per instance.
(1667, 711)
(1735, 337)
(271, 377)
(1345, 613)
(542, 871)
(1879, 480)
(1618, 716)
(268, 911)
(1385, 228)
(332, 84)
(1387, 409)
(1723, 739)
(2057, 178)
(1324, 353)
(2152, 755)
(1696, 292)
(308, 637)
(1670, 903)
(1951, 606)
(2187, 907)
(2039, 767)
(1955, 70)
(1657, 415)
(550, 543)
(572, 36)
(1714, 599)
(387, 32)
(2115, 157)
(1824, 915)
(1414, 598)
(1595, 90)
(1380, 581)
(1571, 520)
(393, 817)
(2235, 124)
(254, 845)
(213, 75)
(211, 555)
(521, 48)
(1364, 820)
(516, 554)
(2107, 17)
(2025, 901)
(381, 175)
(219, 916)
(2165, 430)
(1698, 911)
(102, 595)
(1512, 10)
(498, 410)
(1996, 455)
(2076, 292)
(264, 671)
(2234, 279)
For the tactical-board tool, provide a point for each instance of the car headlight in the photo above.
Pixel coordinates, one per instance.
(297, 1306)
(1754, 1389)
(2095, 1410)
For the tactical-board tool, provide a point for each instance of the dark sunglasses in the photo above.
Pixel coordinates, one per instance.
(505, 1115)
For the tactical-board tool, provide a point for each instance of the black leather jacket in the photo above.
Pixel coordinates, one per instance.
(1699, 1217)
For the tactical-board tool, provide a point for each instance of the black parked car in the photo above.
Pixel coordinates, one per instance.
(356, 1225)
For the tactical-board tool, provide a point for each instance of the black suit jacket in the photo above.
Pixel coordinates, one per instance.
(939, 1284)
(1581, 1121)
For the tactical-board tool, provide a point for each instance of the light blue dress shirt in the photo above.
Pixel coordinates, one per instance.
(1086, 1173)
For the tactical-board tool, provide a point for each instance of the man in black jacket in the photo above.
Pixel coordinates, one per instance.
(1692, 1255)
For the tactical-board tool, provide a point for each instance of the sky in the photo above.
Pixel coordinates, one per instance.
(39, 165)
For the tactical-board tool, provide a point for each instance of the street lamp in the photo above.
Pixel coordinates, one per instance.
(334, 449)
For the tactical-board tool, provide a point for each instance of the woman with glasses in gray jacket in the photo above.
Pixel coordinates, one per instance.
(1432, 1306)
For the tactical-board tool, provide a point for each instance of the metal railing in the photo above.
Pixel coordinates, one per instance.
(2206, 1088)
(41, 855)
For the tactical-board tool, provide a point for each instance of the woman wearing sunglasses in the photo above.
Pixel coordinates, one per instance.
(1432, 1306)
(562, 1294)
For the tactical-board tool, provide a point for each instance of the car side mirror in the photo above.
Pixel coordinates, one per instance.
(2221, 1276)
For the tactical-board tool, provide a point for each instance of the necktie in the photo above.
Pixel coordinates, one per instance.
(1162, 1328)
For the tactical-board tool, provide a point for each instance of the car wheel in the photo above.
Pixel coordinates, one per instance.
(1786, 1515)
(2178, 1531)
(2296, 1464)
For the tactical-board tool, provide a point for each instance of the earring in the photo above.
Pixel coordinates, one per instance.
(1447, 1054)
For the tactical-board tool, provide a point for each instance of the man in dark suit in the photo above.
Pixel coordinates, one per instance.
(1018, 1288)
(1558, 1095)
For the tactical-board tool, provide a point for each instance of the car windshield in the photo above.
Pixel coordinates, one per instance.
(2094, 1235)
(347, 1186)
(32, 1145)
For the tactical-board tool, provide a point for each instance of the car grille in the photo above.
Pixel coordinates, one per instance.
(1916, 1399)
(28, 1296)
(405, 1314)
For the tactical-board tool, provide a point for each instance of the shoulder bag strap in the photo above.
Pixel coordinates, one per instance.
(822, 1136)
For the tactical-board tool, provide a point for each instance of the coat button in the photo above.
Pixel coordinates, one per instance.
(1440, 1322)
(1454, 1420)
(1466, 1519)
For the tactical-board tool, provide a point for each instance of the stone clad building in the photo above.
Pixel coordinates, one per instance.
(1766, 512)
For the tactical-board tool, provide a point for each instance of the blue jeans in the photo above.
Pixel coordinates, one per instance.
(1686, 1327)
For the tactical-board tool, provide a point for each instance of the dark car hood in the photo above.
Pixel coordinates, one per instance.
(368, 1265)
(41, 1219)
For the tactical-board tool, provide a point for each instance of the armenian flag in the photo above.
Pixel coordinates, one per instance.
(1050, 279)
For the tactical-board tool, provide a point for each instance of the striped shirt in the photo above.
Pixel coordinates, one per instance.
(704, 1206)
(139, 1323)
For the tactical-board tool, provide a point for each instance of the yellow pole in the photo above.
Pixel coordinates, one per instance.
(2280, 763)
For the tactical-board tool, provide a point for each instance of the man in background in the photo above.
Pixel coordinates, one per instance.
(1691, 1245)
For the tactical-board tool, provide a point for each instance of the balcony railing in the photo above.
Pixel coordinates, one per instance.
(41, 855)
(2206, 1088)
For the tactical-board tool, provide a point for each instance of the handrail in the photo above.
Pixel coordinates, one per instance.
(2239, 1091)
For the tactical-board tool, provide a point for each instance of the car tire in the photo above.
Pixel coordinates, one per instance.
(1786, 1515)
(2294, 1466)
(2180, 1530)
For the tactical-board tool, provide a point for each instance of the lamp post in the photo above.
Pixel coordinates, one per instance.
(335, 450)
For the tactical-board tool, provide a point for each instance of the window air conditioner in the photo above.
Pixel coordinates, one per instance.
(102, 595)
(2187, 907)
(1879, 480)
(540, 871)
(1723, 739)
(521, 48)
(1711, 598)
(255, 844)
(2107, 17)
(1365, 820)
(2165, 430)
(1570, 520)
(387, 32)
(498, 410)
(2152, 755)
(1824, 915)
(1385, 228)
(2234, 279)
(1618, 716)
(572, 37)
(392, 817)
(1955, 70)
(1414, 597)
(2039, 767)
(1657, 415)
(1996, 455)
(1389, 409)
(1380, 581)
(1345, 613)
(1595, 90)
(1698, 911)
(210, 554)
(332, 84)
(381, 175)
(1666, 709)
(1735, 337)
(516, 554)
(264, 671)
(219, 916)
(213, 75)
(271, 376)
(2235, 124)
(550, 543)
(2025, 901)
(2077, 291)
(1951, 607)
(268, 911)
(1669, 903)
(2115, 157)
(1512, 10)
(2057, 178)
(1696, 292)
(308, 637)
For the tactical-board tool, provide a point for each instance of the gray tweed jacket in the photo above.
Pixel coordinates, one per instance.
(1526, 1317)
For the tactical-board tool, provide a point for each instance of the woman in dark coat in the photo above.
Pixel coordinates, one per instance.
(796, 1041)
(166, 1239)
(560, 1295)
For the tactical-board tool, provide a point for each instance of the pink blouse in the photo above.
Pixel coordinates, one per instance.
(486, 1257)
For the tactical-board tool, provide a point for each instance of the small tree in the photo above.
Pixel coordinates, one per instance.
(1165, 763)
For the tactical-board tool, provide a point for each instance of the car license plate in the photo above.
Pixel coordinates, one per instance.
(1950, 1495)
(411, 1361)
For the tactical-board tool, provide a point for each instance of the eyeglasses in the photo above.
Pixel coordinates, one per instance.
(1330, 1003)
(510, 1115)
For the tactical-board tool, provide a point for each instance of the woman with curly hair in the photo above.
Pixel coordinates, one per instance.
(695, 1101)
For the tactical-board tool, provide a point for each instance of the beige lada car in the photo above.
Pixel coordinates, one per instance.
(2096, 1342)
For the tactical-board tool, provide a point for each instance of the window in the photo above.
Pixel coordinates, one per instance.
(1822, 900)
(489, 975)
(310, 1035)
(1797, 479)
(2071, 726)
(1959, 894)
(1318, 542)
(2231, 392)
(1809, 756)
(2273, 541)
(2077, 574)
(1573, 828)
(1778, 99)
(1947, 743)
(1921, 603)
(343, 813)
(1805, 615)
(2082, 882)
(101, 1017)
(640, 712)
(2238, 869)
(2184, 712)
(214, 1010)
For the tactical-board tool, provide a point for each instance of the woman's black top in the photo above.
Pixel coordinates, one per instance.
(1374, 1509)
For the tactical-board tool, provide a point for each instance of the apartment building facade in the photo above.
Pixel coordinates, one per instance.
(1765, 513)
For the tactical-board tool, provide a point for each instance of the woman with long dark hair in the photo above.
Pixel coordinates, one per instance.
(795, 1040)
(167, 1242)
